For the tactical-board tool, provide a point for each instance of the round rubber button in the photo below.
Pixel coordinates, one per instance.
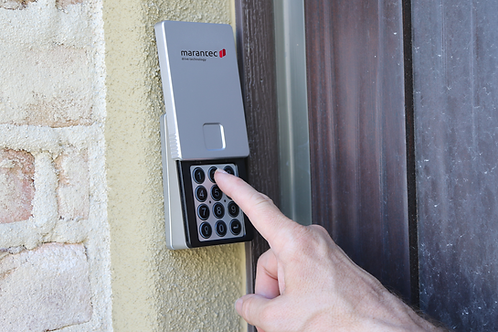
(199, 175)
(203, 211)
(201, 193)
(205, 230)
(221, 228)
(233, 209)
(216, 193)
(211, 173)
(218, 210)
(229, 170)
(235, 227)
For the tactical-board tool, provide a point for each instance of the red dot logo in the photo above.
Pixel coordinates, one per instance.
(223, 53)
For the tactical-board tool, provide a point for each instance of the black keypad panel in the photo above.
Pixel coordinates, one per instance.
(218, 217)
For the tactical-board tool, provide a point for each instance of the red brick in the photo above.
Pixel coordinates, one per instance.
(45, 289)
(17, 189)
(15, 4)
(51, 86)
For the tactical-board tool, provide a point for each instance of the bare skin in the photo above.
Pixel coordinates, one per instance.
(305, 282)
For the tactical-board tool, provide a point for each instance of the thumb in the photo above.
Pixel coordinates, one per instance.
(250, 307)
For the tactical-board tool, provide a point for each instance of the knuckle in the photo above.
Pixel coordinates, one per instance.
(313, 238)
(320, 229)
(260, 199)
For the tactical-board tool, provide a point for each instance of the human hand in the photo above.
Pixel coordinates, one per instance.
(305, 282)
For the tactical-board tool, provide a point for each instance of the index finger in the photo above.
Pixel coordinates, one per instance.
(264, 215)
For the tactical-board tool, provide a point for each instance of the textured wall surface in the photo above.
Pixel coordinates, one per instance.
(54, 236)
(155, 289)
(82, 245)
(56, 294)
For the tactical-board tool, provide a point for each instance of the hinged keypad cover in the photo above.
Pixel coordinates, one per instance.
(202, 95)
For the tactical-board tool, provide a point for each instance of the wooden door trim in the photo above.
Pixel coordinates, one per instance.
(356, 103)
(256, 56)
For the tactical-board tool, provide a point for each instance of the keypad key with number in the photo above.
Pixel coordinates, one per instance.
(206, 230)
(201, 193)
(218, 210)
(216, 193)
(221, 228)
(203, 211)
(199, 175)
(233, 209)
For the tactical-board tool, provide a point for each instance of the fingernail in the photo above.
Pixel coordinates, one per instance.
(220, 170)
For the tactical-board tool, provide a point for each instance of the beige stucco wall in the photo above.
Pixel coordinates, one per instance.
(155, 289)
(82, 244)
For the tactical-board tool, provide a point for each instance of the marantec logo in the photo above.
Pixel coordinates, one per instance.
(202, 55)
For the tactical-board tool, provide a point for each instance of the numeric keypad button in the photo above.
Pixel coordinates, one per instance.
(216, 193)
(219, 210)
(233, 209)
(201, 193)
(235, 227)
(211, 172)
(221, 228)
(199, 175)
(206, 230)
(229, 170)
(203, 211)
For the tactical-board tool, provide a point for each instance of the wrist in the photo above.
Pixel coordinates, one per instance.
(388, 313)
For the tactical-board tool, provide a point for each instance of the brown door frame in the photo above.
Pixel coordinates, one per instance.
(256, 56)
(358, 134)
(377, 234)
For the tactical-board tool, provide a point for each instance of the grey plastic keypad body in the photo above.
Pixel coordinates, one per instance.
(203, 125)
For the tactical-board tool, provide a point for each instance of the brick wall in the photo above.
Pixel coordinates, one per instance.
(54, 242)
